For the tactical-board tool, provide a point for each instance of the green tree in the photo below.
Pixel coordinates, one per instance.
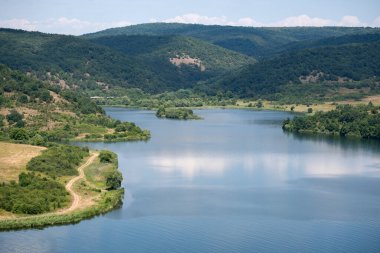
(259, 104)
(37, 140)
(23, 99)
(114, 180)
(14, 116)
(45, 96)
(18, 134)
(106, 156)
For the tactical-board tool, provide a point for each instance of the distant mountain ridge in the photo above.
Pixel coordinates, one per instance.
(253, 41)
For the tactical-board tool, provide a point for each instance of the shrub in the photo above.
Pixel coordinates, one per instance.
(32, 195)
(58, 161)
(106, 156)
(18, 134)
(114, 180)
(37, 140)
(14, 116)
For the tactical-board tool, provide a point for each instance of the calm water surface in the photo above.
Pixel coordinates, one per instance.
(233, 182)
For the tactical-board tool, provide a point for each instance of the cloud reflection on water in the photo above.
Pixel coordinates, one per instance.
(278, 167)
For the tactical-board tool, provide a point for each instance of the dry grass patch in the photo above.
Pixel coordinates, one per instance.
(97, 172)
(374, 99)
(88, 194)
(24, 110)
(13, 159)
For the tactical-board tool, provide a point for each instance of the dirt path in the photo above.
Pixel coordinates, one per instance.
(69, 185)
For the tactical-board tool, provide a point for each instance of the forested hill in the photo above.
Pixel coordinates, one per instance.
(40, 112)
(153, 64)
(181, 61)
(341, 64)
(373, 36)
(74, 59)
(253, 41)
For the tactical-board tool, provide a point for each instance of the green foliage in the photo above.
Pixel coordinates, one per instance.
(80, 59)
(156, 52)
(127, 136)
(32, 195)
(259, 104)
(353, 62)
(1, 121)
(107, 156)
(124, 131)
(109, 200)
(138, 57)
(58, 161)
(113, 180)
(92, 120)
(253, 41)
(26, 88)
(19, 134)
(23, 99)
(45, 96)
(346, 120)
(81, 104)
(367, 37)
(14, 117)
(176, 113)
(37, 140)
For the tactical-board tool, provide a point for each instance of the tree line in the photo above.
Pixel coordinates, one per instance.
(346, 120)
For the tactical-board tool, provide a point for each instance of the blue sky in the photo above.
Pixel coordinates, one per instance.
(82, 16)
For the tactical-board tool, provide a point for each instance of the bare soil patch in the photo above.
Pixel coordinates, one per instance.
(187, 60)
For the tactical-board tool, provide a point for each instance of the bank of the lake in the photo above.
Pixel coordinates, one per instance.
(255, 104)
(91, 195)
(108, 202)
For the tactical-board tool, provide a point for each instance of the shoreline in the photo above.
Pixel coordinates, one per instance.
(272, 105)
(209, 108)
(107, 201)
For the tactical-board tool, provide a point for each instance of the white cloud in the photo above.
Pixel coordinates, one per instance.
(303, 20)
(376, 22)
(193, 18)
(351, 21)
(61, 25)
(23, 24)
(247, 22)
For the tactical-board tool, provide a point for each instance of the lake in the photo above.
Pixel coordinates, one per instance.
(233, 182)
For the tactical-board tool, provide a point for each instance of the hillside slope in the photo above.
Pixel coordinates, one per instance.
(37, 112)
(252, 41)
(332, 41)
(75, 58)
(181, 61)
(340, 64)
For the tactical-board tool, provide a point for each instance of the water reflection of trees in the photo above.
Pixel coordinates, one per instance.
(345, 143)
